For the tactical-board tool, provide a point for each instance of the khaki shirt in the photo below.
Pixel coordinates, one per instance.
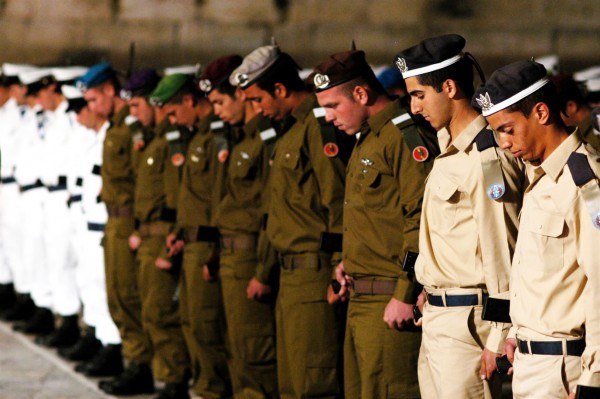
(306, 186)
(467, 239)
(555, 279)
(586, 131)
(150, 196)
(382, 207)
(118, 178)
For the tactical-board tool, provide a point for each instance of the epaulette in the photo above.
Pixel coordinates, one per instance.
(269, 137)
(406, 124)
(176, 148)
(219, 130)
(330, 143)
(493, 179)
(587, 181)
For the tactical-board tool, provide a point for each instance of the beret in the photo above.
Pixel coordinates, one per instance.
(168, 87)
(339, 68)
(254, 65)
(430, 55)
(218, 72)
(141, 83)
(96, 75)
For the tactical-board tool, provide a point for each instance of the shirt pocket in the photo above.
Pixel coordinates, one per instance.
(447, 198)
(547, 243)
(371, 187)
(289, 162)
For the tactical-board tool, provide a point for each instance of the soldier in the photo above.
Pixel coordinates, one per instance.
(101, 90)
(252, 332)
(554, 280)
(384, 190)
(200, 301)
(306, 186)
(468, 225)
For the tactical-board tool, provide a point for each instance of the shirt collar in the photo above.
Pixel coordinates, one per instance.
(555, 163)
(466, 137)
(305, 107)
(389, 112)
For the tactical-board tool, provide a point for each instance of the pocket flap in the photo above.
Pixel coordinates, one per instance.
(445, 189)
(544, 223)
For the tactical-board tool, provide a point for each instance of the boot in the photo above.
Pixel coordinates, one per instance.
(108, 362)
(84, 349)
(22, 309)
(174, 391)
(8, 296)
(136, 380)
(66, 335)
(41, 323)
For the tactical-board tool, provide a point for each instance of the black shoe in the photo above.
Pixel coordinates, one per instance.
(66, 335)
(8, 297)
(41, 323)
(108, 362)
(174, 391)
(22, 309)
(84, 349)
(136, 379)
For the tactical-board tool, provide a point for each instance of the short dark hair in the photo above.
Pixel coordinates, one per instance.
(568, 90)
(546, 94)
(368, 80)
(461, 72)
(188, 89)
(283, 71)
(226, 88)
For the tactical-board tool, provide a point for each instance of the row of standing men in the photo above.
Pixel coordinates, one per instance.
(207, 216)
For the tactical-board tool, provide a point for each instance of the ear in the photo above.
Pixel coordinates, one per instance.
(360, 95)
(188, 101)
(450, 88)
(109, 90)
(239, 94)
(541, 113)
(281, 91)
(571, 108)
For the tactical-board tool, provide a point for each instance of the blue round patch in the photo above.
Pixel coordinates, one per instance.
(596, 220)
(495, 191)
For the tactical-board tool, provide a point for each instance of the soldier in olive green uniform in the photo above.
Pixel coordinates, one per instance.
(101, 92)
(384, 191)
(306, 187)
(252, 333)
(201, 306)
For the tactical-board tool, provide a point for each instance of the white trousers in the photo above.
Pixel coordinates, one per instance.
(11, 268)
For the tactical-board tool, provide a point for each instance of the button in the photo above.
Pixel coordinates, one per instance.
(288, 155)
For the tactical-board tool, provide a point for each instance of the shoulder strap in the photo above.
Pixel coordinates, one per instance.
(493, 178)
(585, 178)
(406, 124)
(330, 143)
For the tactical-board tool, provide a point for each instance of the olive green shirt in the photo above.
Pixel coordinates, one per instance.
(150, 196)
(586, 132)
(306, 186)
(384, 193)
(117, 172)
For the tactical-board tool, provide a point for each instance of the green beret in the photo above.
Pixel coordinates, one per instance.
(167, 88)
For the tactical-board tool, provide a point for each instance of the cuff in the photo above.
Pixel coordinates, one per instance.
(407, 291)
(497, 337)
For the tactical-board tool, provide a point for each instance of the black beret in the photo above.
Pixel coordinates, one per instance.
(339, 68)
(509, 85)
(430, 55)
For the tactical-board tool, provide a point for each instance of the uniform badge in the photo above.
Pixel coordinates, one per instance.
(321, 81)
(150, 161)
(195, 158)
(177, 159)
(366, 162)
(495, 191)
(401, 64)
(223, 155)
(596, 220)
(485, 102)
(420, 154)
(205, 85)
(244, 155)
(331, 150)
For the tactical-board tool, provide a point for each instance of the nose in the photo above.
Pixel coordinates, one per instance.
(329, 117)
(415, 108)
(505, 140)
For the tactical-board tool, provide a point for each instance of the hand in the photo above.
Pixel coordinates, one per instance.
(174, 245)
(397, 314)
(134, 242)
(206, 274)
(257, 290)
(420, 304)
(344, 280)
(333, 298)
(163, 264)
(572, 395)
(509, 347)
(488, 364)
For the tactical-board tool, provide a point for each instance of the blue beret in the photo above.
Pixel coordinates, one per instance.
(96, 75)
(390, 77)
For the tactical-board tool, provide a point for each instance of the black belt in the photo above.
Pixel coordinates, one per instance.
(28, 187)
(96, 226)
(456, 300)
(8, 180)
(574, 347)
(58, 187)
(73, 198)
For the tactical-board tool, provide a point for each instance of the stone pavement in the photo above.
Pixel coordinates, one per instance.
(28, 371)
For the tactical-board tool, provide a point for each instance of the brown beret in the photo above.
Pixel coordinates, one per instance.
(218, 71)
(339, 68)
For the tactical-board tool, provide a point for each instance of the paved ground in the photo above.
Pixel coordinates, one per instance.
(28, 371)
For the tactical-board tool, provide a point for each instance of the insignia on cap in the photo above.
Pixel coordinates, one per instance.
(205, 85)
(485, 102)
(321, 81)
(125, 94)
(495, 191)
(331, 150)
(81, 85)
(420, 154)
(177, 159)
(241, 79)
(596, 220)
(401, 64)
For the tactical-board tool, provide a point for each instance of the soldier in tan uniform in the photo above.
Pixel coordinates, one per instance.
(468, 225)
(384, 190)
(101, 90)
(200, 300)
(306, 188)
(555, 298)
(252, 333)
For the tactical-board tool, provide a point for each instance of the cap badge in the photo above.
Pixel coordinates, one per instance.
(331, 150)
(321, 81)
(205, 85)
(596, 220)
(126, 94)
(81, 85)
(420, 154)
(401, 64)
(495, 191)
(241, 79)
(485, 102)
